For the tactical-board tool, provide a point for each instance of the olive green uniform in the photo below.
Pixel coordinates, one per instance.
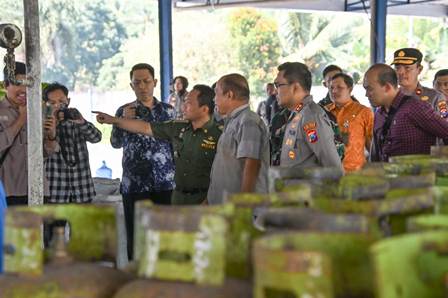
(194, 151)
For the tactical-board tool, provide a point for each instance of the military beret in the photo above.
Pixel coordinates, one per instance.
(407, 56)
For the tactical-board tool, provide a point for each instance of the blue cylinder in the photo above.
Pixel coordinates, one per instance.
(2, 213)
(104, 171)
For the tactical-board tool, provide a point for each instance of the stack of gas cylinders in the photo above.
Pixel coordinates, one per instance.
(380, 232)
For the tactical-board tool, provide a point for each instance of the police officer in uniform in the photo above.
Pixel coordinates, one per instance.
(194, 142)
(407, 62)
(308, 139)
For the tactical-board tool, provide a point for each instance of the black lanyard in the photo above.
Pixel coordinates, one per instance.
(389, 119)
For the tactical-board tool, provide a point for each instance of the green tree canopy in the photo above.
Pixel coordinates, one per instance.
(80, 37)
(319, 40)
(255, 39)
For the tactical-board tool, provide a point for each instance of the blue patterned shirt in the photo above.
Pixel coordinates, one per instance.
(148, 164)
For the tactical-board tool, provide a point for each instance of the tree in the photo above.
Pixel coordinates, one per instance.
(319, 40)
(141, 44)
(255, 39)
(204, 57)
(429, 35)
(79, 37)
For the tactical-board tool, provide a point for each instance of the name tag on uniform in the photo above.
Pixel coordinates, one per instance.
(208, 144)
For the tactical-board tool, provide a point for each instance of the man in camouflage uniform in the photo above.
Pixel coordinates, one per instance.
(407, 62)
(276, 132)
(194, 141)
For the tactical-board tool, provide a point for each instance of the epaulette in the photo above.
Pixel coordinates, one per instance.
(329, 106)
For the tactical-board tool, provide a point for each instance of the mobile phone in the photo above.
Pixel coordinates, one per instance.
(48, 111)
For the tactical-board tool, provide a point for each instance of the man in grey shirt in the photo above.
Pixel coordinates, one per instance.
(309, 139)
(13, 139)
(242, 158)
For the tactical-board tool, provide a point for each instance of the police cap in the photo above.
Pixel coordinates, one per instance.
(407, 56)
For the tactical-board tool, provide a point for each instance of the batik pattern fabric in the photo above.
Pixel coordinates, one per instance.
(148, 164)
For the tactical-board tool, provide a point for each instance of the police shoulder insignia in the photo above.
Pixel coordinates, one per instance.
(309, 126)
(312, 136)
(443, 109)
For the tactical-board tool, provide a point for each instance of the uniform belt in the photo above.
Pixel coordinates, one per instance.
(192, 191)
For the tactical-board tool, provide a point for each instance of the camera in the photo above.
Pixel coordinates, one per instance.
(70, 113)
(142, 111)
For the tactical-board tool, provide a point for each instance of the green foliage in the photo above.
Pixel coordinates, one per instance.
(430, 35)
(255, 38)
(2, 91)
(80, 38)
(93, 43)
(318, 40)
(204, 57)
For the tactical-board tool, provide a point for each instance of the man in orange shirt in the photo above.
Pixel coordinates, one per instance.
(355, 121)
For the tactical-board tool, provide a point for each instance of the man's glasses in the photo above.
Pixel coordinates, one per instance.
(278, 85)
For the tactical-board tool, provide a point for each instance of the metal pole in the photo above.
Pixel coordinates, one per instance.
(166, 47)
(34, 103)
(378, 11)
